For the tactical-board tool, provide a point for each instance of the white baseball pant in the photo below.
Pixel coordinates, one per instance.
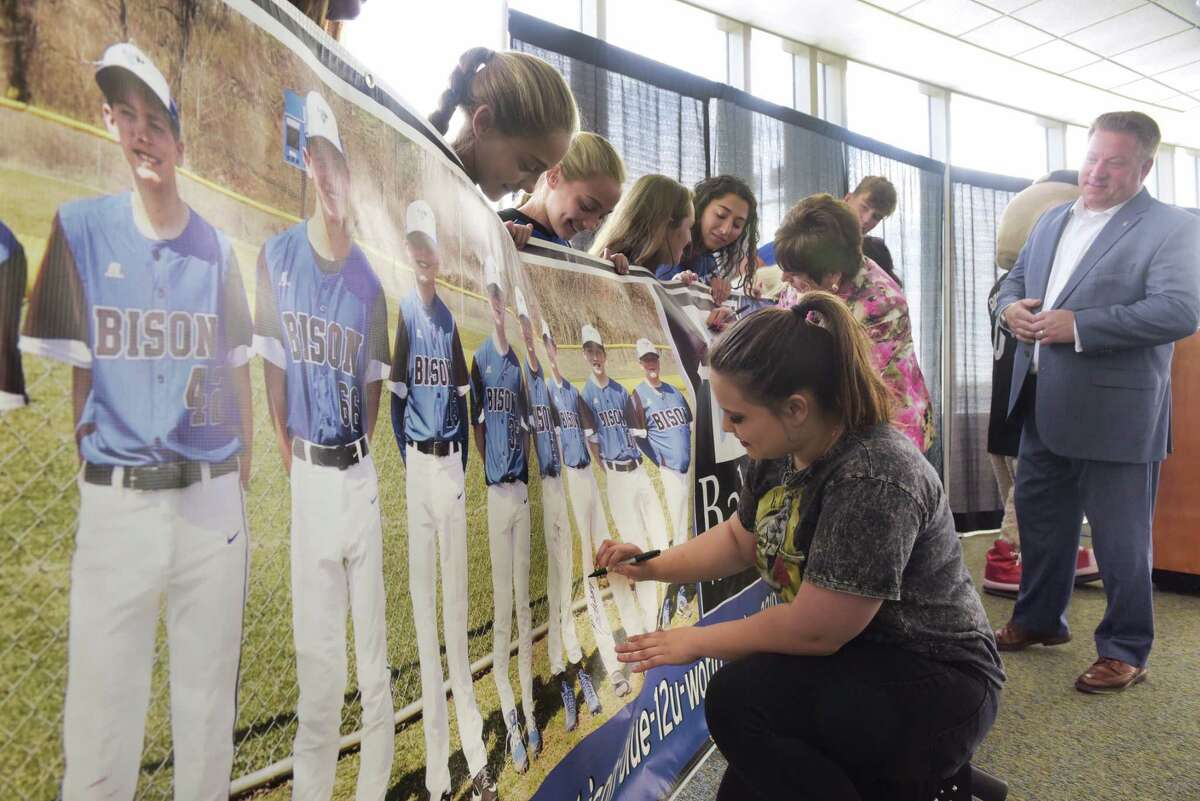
(677, 487)
(508, 535)
(560, 570)
(639, 517)
(133, 546)
(337, 562)
(437, 534)
(593, 531)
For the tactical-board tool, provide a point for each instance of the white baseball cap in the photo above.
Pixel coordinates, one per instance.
(590, 334)
(491, 274)
(124, 56)
(319, 120)
(419, 219)
(646, 348)
(546, 331)
(522, 308)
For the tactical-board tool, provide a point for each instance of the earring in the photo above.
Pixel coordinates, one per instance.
(833, 288)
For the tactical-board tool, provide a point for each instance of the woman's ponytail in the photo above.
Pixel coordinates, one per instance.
(459, 91)
(860, 391)
(817, 345)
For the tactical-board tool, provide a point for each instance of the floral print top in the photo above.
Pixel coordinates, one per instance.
(878, 303)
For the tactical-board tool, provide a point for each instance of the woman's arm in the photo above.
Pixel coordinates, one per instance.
(818, 622)
(722, 550)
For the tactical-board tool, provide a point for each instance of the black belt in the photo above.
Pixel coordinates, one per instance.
(435, 447)
(621, 467)
(339, 456)
(169, 475)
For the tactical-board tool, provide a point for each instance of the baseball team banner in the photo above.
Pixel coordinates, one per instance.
(304, 464)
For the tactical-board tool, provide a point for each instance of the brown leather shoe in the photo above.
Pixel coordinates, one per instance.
(1109, 676)
(1014, 638)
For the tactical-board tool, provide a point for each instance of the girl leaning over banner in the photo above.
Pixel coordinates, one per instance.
(724, 237)
(519, 116)
(877, 674)
(572, 197)
(651, 226)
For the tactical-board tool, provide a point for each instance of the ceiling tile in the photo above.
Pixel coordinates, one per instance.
(1060, 17)
(1146, 90)
(1058, 56)
(1007, 6)
(1007, 36)
(1180, 102)
(952, 16)
(1132, 29)
(895, 5)
(1104, 74)
(1185, 78)
(1165, 54)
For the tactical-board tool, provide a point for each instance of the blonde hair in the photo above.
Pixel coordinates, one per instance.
(639, 224)
(589, 156)
(527, 96)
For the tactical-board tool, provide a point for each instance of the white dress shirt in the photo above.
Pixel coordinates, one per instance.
(1083, 226)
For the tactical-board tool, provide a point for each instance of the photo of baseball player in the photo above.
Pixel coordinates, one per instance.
(144, 299)
(12, 291)
(666, 418)
(321, 327)
(573, 417)
(635, 506)
(429, 384)
(500, 420)
(556, 527)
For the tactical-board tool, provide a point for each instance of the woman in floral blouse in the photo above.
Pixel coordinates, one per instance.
(819, 246)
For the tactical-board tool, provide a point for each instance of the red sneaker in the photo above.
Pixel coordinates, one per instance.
(1086, 567)
(1002, 574)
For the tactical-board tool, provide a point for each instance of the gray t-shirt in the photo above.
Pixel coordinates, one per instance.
(871, 518)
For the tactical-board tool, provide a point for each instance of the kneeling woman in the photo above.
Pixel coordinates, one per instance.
(878, 673)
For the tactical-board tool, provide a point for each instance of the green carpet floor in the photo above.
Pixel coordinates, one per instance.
(1052, 743)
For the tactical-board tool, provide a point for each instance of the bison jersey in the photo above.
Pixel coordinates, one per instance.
(668, 419)
(612, 413)
(569, 408)
(498, 403)
(158, 322)
(543, 419)
(325, 324)
(429, 372)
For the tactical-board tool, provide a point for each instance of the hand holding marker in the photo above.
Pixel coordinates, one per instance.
(633, 560)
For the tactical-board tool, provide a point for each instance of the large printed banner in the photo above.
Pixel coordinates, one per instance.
(269, 363)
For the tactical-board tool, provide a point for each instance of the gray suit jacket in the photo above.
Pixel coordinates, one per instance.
(1135, 291)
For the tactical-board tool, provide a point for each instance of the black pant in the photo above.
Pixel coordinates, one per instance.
(871, 721)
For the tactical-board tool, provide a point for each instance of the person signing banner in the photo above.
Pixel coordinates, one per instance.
(877, 674)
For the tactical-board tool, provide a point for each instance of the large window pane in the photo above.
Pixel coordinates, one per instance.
(771, 70)
(984, 136)
(564, 13)
(393, 41)
(1077, 142)
(1186, 190)
(887, 107)
(670, 32)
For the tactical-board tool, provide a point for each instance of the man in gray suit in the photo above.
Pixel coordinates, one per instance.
(1098, 296)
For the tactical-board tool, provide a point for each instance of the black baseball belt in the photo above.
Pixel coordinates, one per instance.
(621, 467)
(339, 456)
(435, 447)
(168, 475)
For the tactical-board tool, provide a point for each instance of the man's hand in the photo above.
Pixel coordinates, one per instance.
(1055, 327)
(520, 233)
(667, 647)
(1019, 318)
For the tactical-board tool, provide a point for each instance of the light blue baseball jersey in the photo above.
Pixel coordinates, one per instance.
(612, 413)
(429, 374)
(543, 420)
(160, 324)
(668, 419)
(325, 324)
(498, 403)
(573, 418)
